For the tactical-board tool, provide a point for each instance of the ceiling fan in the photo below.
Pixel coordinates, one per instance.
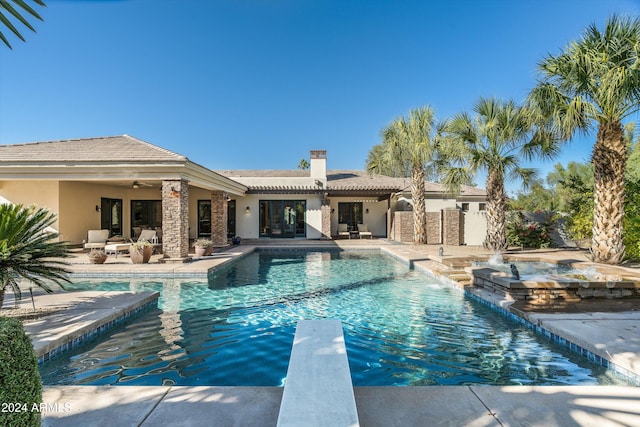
(138, 184)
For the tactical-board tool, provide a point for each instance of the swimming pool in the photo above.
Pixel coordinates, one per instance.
(401, 328)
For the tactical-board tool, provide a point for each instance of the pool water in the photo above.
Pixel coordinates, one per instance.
(401, 328)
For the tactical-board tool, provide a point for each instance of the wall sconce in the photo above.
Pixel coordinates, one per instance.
(247, 210)
(98, 208)
(333, 210)
(366, 211)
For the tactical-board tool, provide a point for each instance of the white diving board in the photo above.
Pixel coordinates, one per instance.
(318, 389)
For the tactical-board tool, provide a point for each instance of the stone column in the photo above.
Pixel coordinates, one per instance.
(434, 233)
(219, 214)
(175, 220)
(325, 212)
(453, 224)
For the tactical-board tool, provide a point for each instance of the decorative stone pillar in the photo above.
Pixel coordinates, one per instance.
(175, 220)
(453, 224)
(325, 212)
(434, 232)
(219, 213)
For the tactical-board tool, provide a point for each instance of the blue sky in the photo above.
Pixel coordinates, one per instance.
(256, 84)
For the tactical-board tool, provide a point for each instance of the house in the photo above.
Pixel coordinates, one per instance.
(125, 184)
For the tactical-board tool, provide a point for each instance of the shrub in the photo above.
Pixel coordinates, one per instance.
(528, 234)
(203, 243)
(20, 383)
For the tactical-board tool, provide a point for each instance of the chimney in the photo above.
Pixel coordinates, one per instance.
(318, 167)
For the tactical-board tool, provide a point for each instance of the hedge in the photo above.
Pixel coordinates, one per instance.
(20, 383)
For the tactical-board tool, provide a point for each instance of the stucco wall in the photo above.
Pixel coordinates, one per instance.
(475, 227)
(43, 194)
(376, 219)
(78, 201)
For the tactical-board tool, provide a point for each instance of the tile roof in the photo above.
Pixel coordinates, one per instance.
(342, 180)
(122, 148)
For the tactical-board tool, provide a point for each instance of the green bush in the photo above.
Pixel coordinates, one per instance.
(20, 384)
(631, 225)
(528, 234)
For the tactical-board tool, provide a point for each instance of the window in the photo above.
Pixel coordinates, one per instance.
(465, 207)
(350, 213)
(145, 214)
(482, 206)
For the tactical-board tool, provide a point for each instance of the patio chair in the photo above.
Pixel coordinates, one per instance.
(146, 235)
(96, 239)
(363, 231)
(151, 237)
(343, 230)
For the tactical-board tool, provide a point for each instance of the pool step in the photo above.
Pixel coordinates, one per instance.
(318, 389)
(460, 276)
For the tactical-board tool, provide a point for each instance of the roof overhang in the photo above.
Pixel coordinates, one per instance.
(195, 174)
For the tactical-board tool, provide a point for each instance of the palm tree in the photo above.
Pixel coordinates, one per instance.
(303, 165)
(496, 140)
(596, 80)
(11, 8)
(409, 148)
(27, 250)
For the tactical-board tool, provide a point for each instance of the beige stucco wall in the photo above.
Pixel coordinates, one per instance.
(78, 214)
(41, 193)
(475, 227)
(376, 219)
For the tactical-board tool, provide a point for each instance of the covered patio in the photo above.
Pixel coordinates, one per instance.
(122, 184)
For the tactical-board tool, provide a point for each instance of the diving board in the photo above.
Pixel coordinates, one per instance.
(318, 389)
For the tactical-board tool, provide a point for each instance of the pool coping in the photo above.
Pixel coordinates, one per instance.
(81, 317)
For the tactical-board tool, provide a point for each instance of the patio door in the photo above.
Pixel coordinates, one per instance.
(111, 216)
(204, 218)
(282, 218)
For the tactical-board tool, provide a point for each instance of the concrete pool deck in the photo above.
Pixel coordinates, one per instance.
(613, 333)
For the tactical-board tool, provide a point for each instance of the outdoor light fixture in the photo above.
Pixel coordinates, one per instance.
(247, 210)
(366, 211)
(97, 208)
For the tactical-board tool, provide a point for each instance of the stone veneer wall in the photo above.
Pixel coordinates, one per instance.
(453, 223)
(548, 290)
(325, 212)
(402, 226)
(434, 233)
(446, 226)
(175, 218)
(219, 218)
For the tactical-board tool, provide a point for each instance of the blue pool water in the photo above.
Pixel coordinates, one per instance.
(401, 328)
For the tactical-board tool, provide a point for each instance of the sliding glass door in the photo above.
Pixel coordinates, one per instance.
(282, 218)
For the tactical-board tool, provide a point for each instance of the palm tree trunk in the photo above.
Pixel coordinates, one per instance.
(496, 235)
(609, 163)
(419, 212)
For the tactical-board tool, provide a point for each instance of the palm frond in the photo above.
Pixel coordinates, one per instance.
(8, 10)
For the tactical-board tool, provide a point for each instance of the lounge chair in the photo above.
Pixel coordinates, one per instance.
(343, 230)
(96, 239)
(146, 235)
(363, 231)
